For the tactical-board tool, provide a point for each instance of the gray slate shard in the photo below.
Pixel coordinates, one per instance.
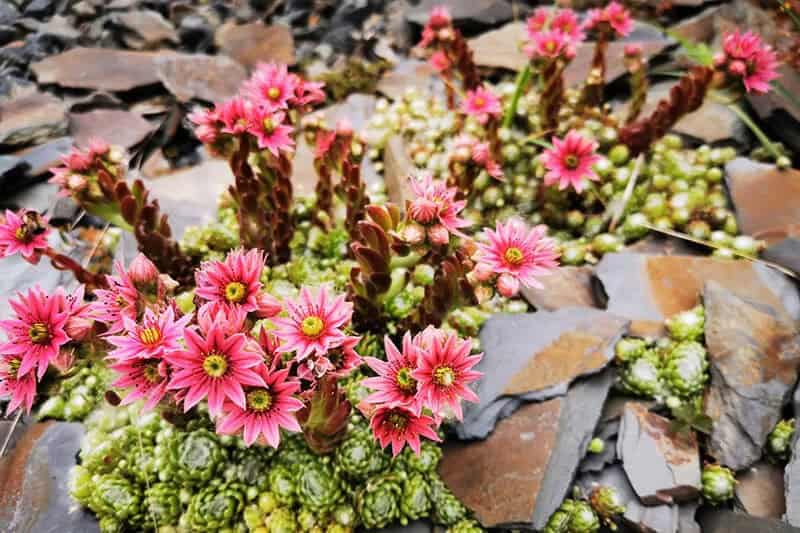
(418, 526)
(785, 253)
(791, 476)
(714, 520)
(663, 466)
(535, 356)
(595, 462)
(754, 351)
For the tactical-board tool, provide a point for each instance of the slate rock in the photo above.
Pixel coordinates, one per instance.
(60, 28)
(98, 68)
(648, 288)
(785, 253)
(205, 77)
(699, 28)
(253, 43)
(8, 13)
(720, 520)
(607, 432)
(195, 32)
(144, 29)
(30, 165)
(34, 478)
(476, 13)
(534, 356)
(565, 287)
(409, 73)
(30, 117)
(766, 200)
(40, 8)
(754, 355)
(115, 126)
(791, 476)
(520, 474)
(663, 466)
(759, 490)
(780, 114)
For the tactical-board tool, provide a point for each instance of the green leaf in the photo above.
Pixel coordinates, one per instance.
(697, 52)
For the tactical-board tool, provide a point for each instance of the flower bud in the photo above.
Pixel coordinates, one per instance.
(483, 272)
(142, 271)
(64, 360)
(79, 328)
(633, 50)
(413, 233)
(438, 234)
(737, 68)
(507, 285)
(720, 59)
(268, 305)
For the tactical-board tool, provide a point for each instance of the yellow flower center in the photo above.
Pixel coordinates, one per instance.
(312, 326)
(235, 292)
(550, 46)
(39, 333)
(273, 93)
(150, 336)
(22, 234)
(398, 420)
(444, 376)
(269, 125)
(571, 161)
(215, 365)
(480, 101)
(150, 372)
(514, 255)
(13, 367)
(405, 382)
(259, 400)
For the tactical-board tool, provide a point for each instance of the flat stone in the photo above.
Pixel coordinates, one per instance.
(717, 520)
(519, 475)
(31, 117)
(662, 466)
(397, 167)
(34, 478)
(648, 289)
(60, 28)
(501, 49)
(253, 43)
(656, 244)
(781, 114)
(759, 490)
(98, 68)
(699, 28)
(115, 126)
(45, 156)
(785, 253)
(409, 73)
(209, 78)
(475, 12)
(534, 356)
(8, 13)
(607, 432)
(754, 351)
(662, 518)
(766, 200)
(149, 28)
(566, 287)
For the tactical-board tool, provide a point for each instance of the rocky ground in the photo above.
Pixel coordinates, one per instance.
(129, 71)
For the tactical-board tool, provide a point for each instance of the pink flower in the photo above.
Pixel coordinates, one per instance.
(148, 377)
(633, 50)
(398, 426)
(518, 255)
(231, 318)
(156, 336)
(444, 371)
(233, 114)
(550, 44)
(481, 104)
(217, 367)
(435, 203)
(208, 124)
(482, 155)
(142, 271)
(308, 93)
(439, 61)
(537, 22)
(80, 323)
(235, 281)
(570, 161)
(271, 86)
(37, 331)
(750, 59)
(615, 15)
(269, 130)
(438, 19)
(267, 408)
(19, 389)
(314, 324)
(116, 303)
(345, 359)
(24, 233)
(395, 383)
(566, 22)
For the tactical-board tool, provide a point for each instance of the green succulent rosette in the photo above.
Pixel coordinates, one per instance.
(283, 484)
(282, 520)
(642, 376)
(196, 456)
(216, 506)
(685, 370)
(319, 489)
(628, 349)
(415, 502)
(719, 484)
(163, 503)
(116, 496)
(447, 510)
(779, 441)
(687, 325)
(378, 501)
(466, 526)
(359, 456)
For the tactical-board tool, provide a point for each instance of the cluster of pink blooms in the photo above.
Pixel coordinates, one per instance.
(43, 332)
(569, 162)
(438, 21)
(416, 386)
(745, 56)
(482, 104)
(19, 234)
(78, 167)
(433, 213)
(614, 16)
(552, 34)
(263, 109)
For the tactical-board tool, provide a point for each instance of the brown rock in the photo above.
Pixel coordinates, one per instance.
(699, 28)
(209, 78)
(98, 68)
(766, 200)
(566, 287)
(663, 466)
(117, 127)
(250, 44)
(754, 351)
(405, 74)
(304, 175)
(148, 29)
(30, 116)
(759, 490)
(651, 288)
(397, 167)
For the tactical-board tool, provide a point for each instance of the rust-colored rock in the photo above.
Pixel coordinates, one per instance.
(253, 43)
(766, 200)
(760, 490)
(397, 167)
(663, 466)
(98, 68)
(117, 127)
(754, 351)
(209, 78)
(649, 288)
(566, 287)
(30, 116)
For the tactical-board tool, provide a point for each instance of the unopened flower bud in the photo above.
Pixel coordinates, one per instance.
(344, 127)
(633, 50)
(737, 68)
(268, 305)
(720, 59)
(438, 234)
(142, 271)
(413, 233)
(64, 360)
(78, 328)
(483, 272)
(507, 285)
(166, 283)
